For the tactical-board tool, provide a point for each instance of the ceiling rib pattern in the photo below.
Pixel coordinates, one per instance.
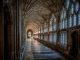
(35, 12)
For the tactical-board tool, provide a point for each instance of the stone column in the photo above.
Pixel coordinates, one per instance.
(1, 31)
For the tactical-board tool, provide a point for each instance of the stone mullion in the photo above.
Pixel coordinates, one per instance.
(1, 31)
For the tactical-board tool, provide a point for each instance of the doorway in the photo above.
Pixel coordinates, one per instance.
(74, 45)
(29, 33)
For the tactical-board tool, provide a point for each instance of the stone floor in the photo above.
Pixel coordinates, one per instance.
(37, 51)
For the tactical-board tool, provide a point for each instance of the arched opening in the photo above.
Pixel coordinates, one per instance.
(29, 33)
(74, 45)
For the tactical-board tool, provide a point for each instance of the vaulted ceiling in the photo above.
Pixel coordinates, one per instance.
(35, 12)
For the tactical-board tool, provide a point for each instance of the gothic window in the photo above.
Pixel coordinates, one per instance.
(63, 39)
(72, 9)
(67, 3)
(76, 6)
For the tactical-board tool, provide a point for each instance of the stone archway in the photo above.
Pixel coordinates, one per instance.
(29, 33)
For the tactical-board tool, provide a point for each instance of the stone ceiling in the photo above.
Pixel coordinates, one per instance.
(35, 12)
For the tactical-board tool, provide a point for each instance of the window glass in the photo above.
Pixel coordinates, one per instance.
(74, 20)
(54, 38)
(64, 13)
(76, 6)
(72, 9)
(67, 3)
(60, 25)
(74, 0)
(51, 37)
(54, 25)
(70, 21)
(63, 39)
(79, 18)
(65, 23)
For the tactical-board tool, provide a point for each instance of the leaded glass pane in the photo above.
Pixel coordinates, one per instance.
(67, 3)
(65, 23)
(76, 6)
(70, 21)
(79, 18)
(74, 20)
(51, 37)
(60, 25)
(54, 38)
(64, 13)
(63, 39)
(72, 9)
(54, 27)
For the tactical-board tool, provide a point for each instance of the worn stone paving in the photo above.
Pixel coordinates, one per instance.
(37, 51)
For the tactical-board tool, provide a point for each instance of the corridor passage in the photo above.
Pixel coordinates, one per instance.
(38, 51)
(39, 29)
